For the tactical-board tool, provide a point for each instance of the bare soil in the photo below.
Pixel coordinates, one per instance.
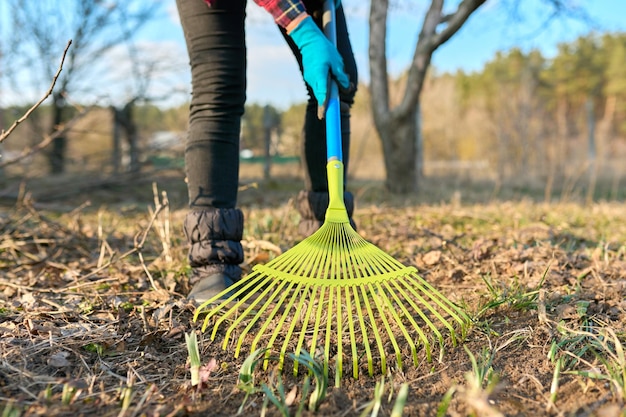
(93, 311)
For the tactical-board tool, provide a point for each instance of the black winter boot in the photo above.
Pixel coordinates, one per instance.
(312, 207)
(215, 250)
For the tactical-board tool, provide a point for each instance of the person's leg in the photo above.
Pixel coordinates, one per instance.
(214, 225)
(313, 200)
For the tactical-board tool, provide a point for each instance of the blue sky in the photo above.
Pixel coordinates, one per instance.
(274, 78)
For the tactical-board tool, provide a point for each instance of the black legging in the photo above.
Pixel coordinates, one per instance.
(215, 40)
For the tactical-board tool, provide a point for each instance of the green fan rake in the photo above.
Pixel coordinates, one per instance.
(335, 294)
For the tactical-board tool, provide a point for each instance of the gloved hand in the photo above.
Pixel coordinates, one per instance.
(319, 59)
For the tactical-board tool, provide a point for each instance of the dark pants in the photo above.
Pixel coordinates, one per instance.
(217, 53)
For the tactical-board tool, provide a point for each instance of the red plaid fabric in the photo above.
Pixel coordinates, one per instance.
(283, 11)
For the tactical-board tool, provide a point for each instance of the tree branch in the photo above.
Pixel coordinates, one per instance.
(421, 60)
(429, 40)
(3, 134)
(456, 20)
(379, 82)
(47, 140)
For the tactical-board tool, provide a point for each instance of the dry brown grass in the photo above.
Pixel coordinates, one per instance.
(93, 316)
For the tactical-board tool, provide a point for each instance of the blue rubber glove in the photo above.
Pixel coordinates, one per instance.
(319, 59)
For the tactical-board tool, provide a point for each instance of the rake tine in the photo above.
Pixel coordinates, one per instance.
(424, 317)
(243, 315)
(370, 269)
(379, 342)
(317, 260)
(447, 305)
(295, 259)
(340, 249)
(247, 294)
(399, 321)
(280, 293)
(339, 334)
(368, 351)
(355, 359)
(303, 330)
(214, 310)
(318, 319)
(278, 328)
(310, 260)
(256, 317)
(349, 308)
(229, 313)
(409, 316)
(383, 317)
(329, 324)
(430, 308)
(371, 256)
(292, 326)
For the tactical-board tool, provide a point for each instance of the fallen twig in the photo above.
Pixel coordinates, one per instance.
(47, 140)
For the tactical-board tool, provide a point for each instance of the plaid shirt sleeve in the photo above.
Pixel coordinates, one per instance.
(283, 11)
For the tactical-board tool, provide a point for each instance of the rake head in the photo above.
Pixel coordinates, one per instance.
(337, 296)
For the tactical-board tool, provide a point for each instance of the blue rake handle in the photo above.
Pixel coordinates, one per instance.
(336, 211)
(333, 116)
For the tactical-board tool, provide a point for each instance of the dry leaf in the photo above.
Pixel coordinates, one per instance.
(610, 410)
(291, 396)
(159, 296)
(59, 359)
(120, 347)
(432, 257)
(8, 328)
(260, 258)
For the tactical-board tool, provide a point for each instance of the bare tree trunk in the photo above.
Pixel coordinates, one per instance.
(563, 136)
(2, 171)
(267, 141)
(401, 155)
(124, 120)
(605, 129)
(591, 150)
(556, 149)
(542, 150)
(504, 159)
(399, 128)
(56, 157)
(133, 145)
(419, 143)
(525, 118)
(605, 139)
(116, 157)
